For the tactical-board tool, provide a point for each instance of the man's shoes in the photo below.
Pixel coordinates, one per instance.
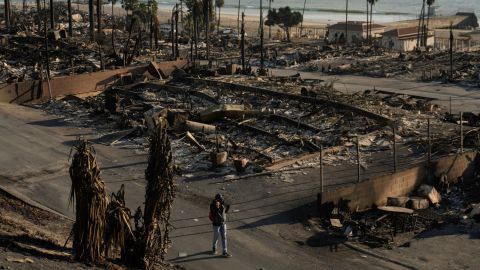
(227, 255)
(214, 252)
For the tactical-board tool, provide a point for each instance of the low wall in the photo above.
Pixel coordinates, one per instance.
(82, 83)
(374, 192)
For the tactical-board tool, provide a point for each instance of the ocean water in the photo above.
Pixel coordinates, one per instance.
(334, 10)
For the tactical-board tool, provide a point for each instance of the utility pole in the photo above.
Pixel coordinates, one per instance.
(177, 53)
(451, 51)
(242, 41)
(46, 49)
(52, 19)
(262, 57)
(172, 34)
(346, 23)
(207, 29)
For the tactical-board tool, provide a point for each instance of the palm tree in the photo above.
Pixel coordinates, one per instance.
(270, 27)
(219, 4)
(99, 16)
(52, 18)
(372, 3)
(422, 16)
(90, 19)
(303, 15)
(346, 22)
(69, 9)
(368, 37)
(429, 3)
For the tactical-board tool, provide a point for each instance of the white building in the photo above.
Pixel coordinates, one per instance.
(356, 31)
(404, 39)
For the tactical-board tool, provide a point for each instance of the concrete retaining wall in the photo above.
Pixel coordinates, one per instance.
(374, 192)
(82, 83)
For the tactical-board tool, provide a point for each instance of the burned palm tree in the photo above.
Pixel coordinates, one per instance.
(149, 242)
(118, 228)
(89, 195)
(159, 196)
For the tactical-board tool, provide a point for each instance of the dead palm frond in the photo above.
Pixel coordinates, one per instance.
(90, 199)
(118, 226)
(160, 192)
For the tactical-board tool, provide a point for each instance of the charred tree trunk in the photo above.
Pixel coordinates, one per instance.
(91, 20)
(39, 19)
(70, 26)
(177, 53)
(7, 13)
(218, 23)
(99, 16)
(52, 16)
(114, 26)
(242, 42)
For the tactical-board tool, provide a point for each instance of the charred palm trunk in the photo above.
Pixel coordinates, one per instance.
(39, 19)
(177, 53)
(89, 195)
(419, 37)
(99, 16)
(195, 30)
(371, 22)
(206, 12)
(114, 26)
(6, 6)
(90, 20)
(70, 26)
(160, 192)
(368, 33)
(52, 15)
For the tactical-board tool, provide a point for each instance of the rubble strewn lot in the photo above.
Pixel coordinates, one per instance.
(260, 129)
(427, 66)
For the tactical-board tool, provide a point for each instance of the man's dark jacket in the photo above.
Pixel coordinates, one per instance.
(218, 215)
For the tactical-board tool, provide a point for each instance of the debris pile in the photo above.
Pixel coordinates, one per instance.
(405, 217)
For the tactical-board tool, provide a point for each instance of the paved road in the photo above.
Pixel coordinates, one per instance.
(264, 231)
(463, 98)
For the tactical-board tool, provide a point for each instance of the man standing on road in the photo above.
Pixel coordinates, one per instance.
(217, 216)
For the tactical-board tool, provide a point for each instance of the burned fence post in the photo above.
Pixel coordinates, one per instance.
(450, 105)
(461, 132)
(321, 168)
(394, 149)
(358, 159)
(429, 139)
(242, 42)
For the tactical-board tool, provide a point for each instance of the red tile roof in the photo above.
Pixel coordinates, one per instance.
(403, 33)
